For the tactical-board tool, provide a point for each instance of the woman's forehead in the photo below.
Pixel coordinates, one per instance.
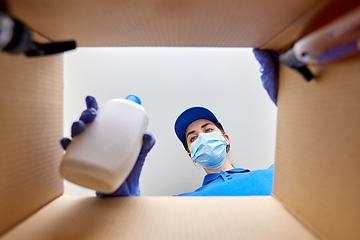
(196, 125)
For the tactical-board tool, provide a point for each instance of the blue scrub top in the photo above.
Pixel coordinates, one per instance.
(236, 182)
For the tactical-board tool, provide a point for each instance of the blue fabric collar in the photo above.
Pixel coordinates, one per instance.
(212, 176)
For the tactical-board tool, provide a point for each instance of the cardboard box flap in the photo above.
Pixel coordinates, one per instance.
(194, 23)
(318, 147)
(73, 217)
(31, 127)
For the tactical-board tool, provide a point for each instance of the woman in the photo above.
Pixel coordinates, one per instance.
(204, 138)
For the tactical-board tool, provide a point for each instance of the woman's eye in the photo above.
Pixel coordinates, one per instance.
(193, 139)
(208, 130)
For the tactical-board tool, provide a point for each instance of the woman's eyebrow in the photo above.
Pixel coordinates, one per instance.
(201, 127)
(205, 125)
(189, 133)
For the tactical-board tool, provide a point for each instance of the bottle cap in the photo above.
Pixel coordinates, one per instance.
(134, 98)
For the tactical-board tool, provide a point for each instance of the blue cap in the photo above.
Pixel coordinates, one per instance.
(134, 98)
(190, 115)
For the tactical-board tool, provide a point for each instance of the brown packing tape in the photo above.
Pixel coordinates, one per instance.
(74, 217)
(317, 152)
(31, 126)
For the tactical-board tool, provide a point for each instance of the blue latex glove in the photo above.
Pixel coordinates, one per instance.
(130, 186)
(269, 61)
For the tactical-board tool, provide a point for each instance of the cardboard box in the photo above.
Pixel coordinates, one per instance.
(316, 185)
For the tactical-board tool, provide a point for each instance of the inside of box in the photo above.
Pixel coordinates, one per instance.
(76, 217)
(317, 139)
(198, 23)
(317, 147)
(31, 105)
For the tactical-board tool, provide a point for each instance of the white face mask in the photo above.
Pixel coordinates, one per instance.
(209, 150)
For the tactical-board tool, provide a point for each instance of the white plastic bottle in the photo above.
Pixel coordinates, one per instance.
(102, 156)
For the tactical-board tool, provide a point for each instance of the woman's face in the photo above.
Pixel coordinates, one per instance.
(201, 126)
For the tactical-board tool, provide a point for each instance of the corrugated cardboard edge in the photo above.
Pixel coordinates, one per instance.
(300, 219)
(317, 147)
(31, 103)
(75, 217)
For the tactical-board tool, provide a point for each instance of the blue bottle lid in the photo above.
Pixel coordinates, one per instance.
(134, 98)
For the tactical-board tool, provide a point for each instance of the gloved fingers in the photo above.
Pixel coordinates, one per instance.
(88, 115)
(265, 59)
(262, 54)
(77, 128)
(148, 141)
(275, 56)
(269, 61)
(259, 53)
(65, 142)
(91, 102)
